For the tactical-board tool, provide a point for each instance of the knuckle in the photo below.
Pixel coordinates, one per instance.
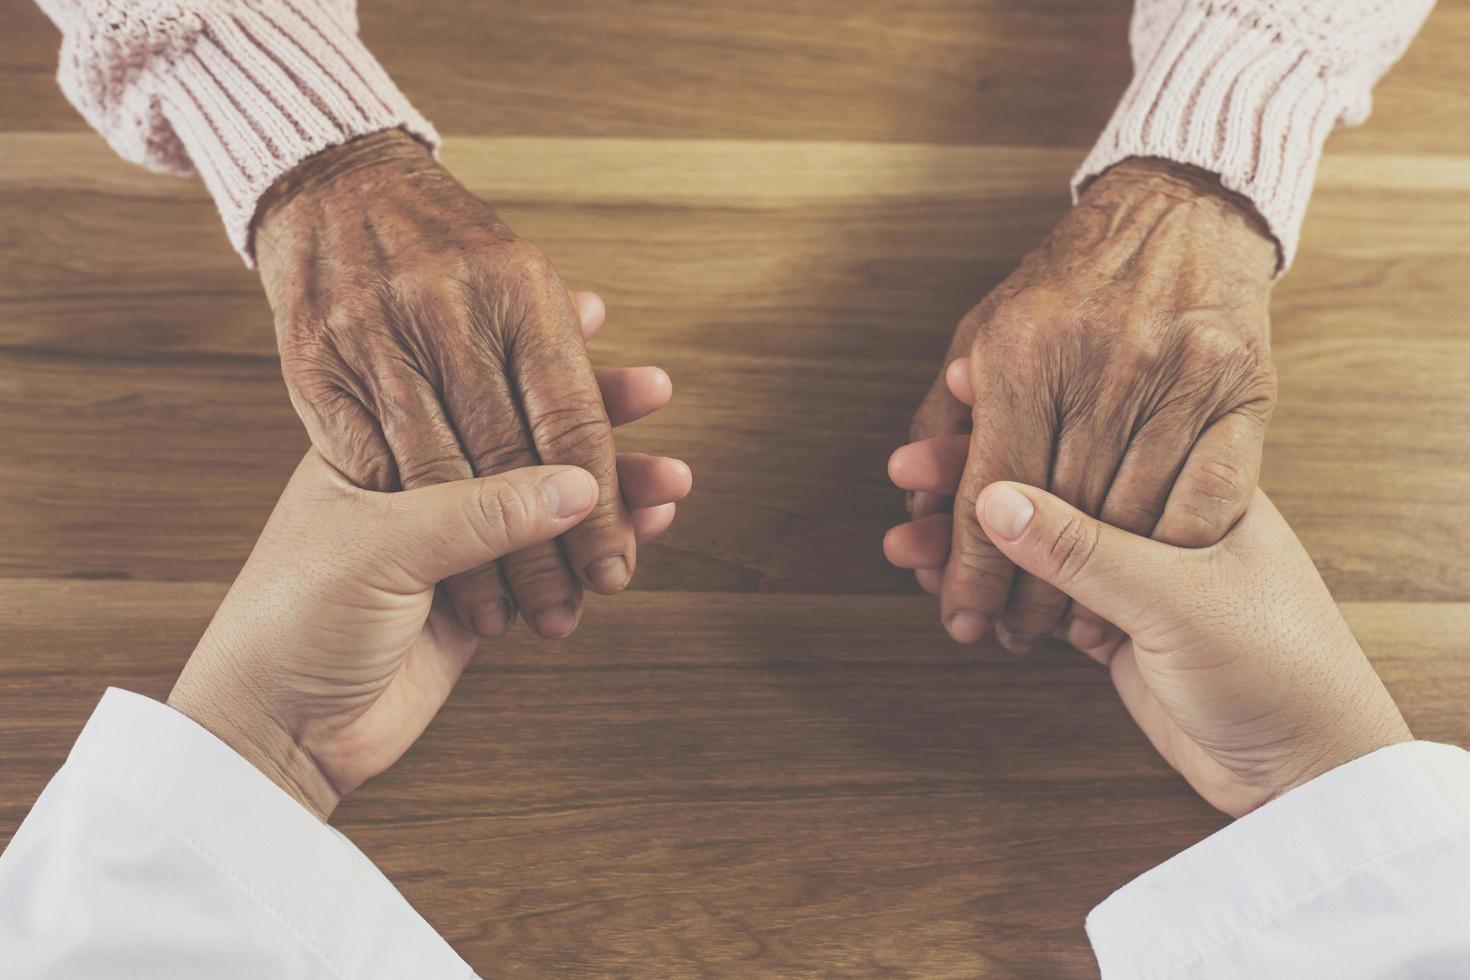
(502, 507)
(539, 575)
(1036, 614)
(571, 433)
(309, 358)
(601, 522)
(1212, 494)
(1258, 410)
(1068, 551)
(512, 265)
(1195, 525)
(430, 470)
(1217, 484)
(984, 586)
(1138, 516)
(1239, 365)
(502, 457)
(1256, 395)
(981, 566)
(368, 468)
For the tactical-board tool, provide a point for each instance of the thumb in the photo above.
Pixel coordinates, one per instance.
(1118, 575)
(449, 528)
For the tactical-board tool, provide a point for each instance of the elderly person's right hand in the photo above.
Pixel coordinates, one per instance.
(423, 342)
(1126, 367)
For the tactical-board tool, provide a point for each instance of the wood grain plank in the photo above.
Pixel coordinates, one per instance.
(702, 784)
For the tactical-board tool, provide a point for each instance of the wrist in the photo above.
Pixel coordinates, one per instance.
(233, 713)
(348, 167)
(1233, 219)
(1358, 733)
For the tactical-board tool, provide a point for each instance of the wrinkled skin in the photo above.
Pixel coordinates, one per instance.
(422, 342)
(1124, 366)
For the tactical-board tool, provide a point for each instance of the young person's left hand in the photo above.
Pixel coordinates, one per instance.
(334, 648)
(1233, 659)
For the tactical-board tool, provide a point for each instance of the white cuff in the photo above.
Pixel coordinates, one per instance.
(156, 843)
(1361, 871)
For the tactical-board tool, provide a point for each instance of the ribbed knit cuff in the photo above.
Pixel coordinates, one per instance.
(264, 86)
(1231, 94)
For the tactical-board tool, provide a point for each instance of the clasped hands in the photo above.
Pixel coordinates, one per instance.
(1121, 373)
(1125, 366)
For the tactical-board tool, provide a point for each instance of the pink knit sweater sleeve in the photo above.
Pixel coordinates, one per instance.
(239, 91)
(1250, 89)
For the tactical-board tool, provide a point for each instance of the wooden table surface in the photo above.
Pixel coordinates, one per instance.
(767, 760)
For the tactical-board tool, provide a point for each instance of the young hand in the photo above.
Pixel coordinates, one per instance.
(1233, 659)
(334, 649)
(1237, 664)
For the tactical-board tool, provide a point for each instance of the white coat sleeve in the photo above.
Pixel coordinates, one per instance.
(158, 852)
(1362, 872)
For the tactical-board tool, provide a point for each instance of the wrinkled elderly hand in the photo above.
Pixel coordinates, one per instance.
(1125, 366)
(423, 342)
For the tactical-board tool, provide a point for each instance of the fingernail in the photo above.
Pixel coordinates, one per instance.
(608, 574)
(1084, 634)
(966, 626)
(1006, 511)
(1019, 644)
(570, 492)
(556, 621)
(494, 618)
